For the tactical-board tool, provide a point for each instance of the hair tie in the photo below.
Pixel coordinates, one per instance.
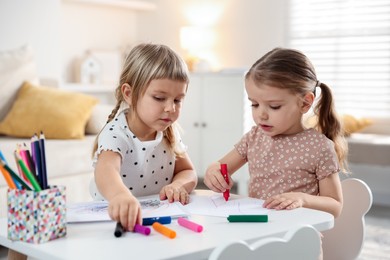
(318, 83)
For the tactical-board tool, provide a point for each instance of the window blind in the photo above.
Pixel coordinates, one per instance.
(348, 42)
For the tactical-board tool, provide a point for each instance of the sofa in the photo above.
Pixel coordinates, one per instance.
(70, 122)
(369, 158)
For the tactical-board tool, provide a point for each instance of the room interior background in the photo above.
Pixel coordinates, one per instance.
(61, 31)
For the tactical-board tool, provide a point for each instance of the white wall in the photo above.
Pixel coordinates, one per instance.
(93, 27)
(60, 31)
(245, 29)
(35, 23)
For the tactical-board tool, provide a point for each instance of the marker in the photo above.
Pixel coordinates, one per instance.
(119, 230)
(190, 225)
(224, 171)
(142, 229)
(161, 220)
(164, 230)
(248, 218)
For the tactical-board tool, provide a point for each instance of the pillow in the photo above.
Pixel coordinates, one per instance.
(98, 118)
(349, 123)
(59, 114)
(16, 66)
(352, 124)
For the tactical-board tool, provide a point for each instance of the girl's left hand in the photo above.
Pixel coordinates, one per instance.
(290, 200)
(174, 192)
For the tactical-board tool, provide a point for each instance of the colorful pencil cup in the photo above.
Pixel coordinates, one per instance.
(36, 217)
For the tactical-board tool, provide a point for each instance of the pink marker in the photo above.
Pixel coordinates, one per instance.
(190, 225)
(142, 229)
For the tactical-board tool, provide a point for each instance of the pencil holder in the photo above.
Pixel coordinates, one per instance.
(36, 217)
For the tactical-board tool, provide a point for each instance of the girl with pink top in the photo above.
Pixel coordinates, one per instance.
(290, 166)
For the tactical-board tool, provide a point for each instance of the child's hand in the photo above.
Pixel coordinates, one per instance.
(175, 192)
(125, 208)
(214, 179)
(290, 200)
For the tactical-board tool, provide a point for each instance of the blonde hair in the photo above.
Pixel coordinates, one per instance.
(144, 63)
(292, 70)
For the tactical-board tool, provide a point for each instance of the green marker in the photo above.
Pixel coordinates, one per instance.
(248, 218)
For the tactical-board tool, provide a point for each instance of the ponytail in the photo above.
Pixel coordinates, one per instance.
(329, 124)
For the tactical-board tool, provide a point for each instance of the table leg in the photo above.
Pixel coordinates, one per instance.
(13, 255)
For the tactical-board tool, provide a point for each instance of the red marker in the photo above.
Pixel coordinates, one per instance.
(224, 172)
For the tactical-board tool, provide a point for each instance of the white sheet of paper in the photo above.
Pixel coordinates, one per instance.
(98, 210)
(216, 205)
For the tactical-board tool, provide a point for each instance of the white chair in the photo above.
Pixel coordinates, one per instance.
(345, 240)
(300, 243)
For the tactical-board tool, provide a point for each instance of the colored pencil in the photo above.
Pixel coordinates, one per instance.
(36, 153)
(30, 161)
(27, 173)
(17, 165)
(2, 157)
(18, 186)
(43, 160)
(7, 177)
(14, 175)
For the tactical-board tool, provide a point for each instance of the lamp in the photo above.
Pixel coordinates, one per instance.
(198, 42)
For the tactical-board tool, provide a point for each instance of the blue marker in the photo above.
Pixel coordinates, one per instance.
(161, 220)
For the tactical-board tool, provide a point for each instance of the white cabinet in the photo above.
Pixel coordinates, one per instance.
(213, 119)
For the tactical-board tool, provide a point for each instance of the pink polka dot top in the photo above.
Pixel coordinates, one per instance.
(292, 163)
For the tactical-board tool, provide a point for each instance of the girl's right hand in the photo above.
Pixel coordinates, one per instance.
(125, 208)
(214, 179)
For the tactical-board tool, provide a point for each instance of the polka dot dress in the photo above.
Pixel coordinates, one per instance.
(146, 167)
(287, 163)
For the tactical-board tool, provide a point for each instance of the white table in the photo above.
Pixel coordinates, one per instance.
(97, 241)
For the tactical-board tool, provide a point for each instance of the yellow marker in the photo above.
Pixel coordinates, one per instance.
(164, 230)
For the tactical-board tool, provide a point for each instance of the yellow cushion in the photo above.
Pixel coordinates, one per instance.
(350, 124)
(59, 114)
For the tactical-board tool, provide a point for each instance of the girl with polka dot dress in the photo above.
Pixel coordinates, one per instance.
(139, 151)
(290, 166)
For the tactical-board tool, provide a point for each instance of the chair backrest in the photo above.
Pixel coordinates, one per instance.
(301, 243)
(345, 240)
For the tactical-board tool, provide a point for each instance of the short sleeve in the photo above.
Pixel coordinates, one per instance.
(242, 146)
(110, 140)
(327, 162)
(180, 147)
(113, 137)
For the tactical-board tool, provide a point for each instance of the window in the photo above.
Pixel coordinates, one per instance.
(348, 42)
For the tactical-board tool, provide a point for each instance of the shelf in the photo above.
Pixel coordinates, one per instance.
(129, 4)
